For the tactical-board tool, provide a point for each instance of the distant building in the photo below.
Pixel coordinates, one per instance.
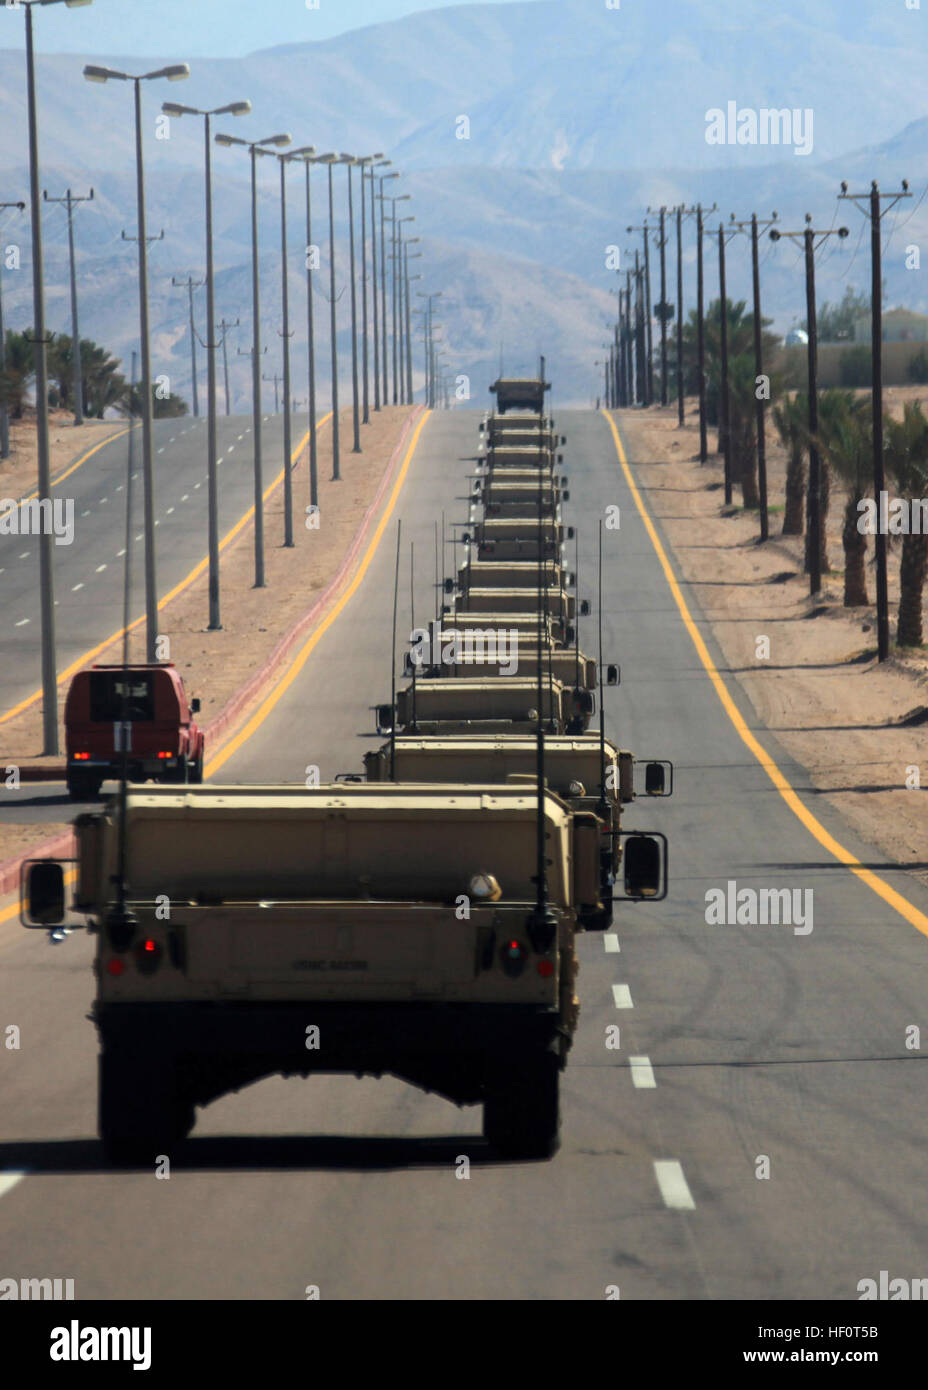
(899, 326)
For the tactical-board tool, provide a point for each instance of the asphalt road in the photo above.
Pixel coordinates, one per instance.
(89, 572)
(759, 1042)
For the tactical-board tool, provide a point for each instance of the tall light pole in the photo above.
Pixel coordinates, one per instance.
(436, 294)
(382, 199)
(256, 148)
(381, 163)
(285, 300)
(234, 108)
(350, 161)
(329, 160)
(417, 255)
(46, 541)
(175, 72)
(363, 162)
(4, 413)
(399, 294)
(306, 155)
(400, 198)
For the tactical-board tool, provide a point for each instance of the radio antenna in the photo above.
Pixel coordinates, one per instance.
(396, 596)
(412, 617)
(120, 922)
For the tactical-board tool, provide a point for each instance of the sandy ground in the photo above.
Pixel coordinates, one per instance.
(19, 473)
(215, 665)
(831, 704)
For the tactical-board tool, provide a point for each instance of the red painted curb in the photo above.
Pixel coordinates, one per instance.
(63, 845)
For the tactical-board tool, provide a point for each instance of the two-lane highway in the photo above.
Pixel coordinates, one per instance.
(758, 1132)
(89, 571)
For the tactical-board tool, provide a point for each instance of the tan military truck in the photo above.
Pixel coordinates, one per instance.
(520, 393)
(515, 657)
(511, 574)
(525, 625)
(520, 501)
(365, 929)
(487, 704)
(517, 538)
(561, 606)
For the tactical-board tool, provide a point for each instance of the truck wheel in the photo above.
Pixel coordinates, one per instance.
(521, 1112)
(77, 787)
(141, 1111)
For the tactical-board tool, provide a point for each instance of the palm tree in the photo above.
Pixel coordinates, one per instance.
(845, 441)
(19, 371)
(789, 418)
(907, 464)
(741, 426)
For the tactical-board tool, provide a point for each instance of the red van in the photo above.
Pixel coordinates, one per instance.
(149, 706)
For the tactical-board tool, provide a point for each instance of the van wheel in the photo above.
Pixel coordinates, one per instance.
(521, 1112)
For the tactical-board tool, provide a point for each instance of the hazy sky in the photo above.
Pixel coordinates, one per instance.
(209, 28)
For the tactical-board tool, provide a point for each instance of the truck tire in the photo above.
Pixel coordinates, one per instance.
(84, 786)
(141, 1111)
(521, 1111)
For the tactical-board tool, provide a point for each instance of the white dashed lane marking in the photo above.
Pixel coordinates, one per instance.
(673, 1185)
(642, 1073)
(611, 943)
(8, 1181)
(80, 586)
(622, 996)
(101, 568)
(22, 622)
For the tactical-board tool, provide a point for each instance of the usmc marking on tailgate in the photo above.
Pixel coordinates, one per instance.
(330, 965)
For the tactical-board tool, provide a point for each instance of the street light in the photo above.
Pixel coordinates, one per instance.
(256, 147)
(400, 198)
(306, 154)
(429, 393)
(46, 546)
(379, 164)
(398, 294)
(382, 199)
(417, 255)
(175, 72)
(363, 162)
(234, 108)
(329, 160)
(285, 299)
(350, 161)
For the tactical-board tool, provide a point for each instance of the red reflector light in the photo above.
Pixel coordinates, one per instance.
(513, 948)
(115, 967)
(545, 969)
(149, 946)
(81, 757)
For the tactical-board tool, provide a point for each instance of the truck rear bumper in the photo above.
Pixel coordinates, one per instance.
(217, 1047)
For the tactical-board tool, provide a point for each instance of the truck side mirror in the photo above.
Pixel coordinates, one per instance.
(656, 774)
(44, 893)
(563, 438)
(449, 586)
(482, 426)
(570, 634)
(560, 458)
(585, 609)
(644, 859)
(570, 533)
(195, 705)
(384, 718)
(565, 495)
(613, 675)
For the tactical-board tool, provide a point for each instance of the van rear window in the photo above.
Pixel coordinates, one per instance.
(106, 697)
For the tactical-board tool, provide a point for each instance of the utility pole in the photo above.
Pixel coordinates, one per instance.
(680, 212)
(759, 414)
(876, 213)
(223, 328)
(644, 302)
(69, 200)
(4, 414)
(701, 333)
(640, 348)
(724, 401)
(277, 379)
(190, 285)
(662, 243)
(813, 507)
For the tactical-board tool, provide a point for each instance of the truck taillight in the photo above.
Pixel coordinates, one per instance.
(148, 955)
(115, 966)
(168, 754)
(80, 757)
(545, 969)
(513, 956)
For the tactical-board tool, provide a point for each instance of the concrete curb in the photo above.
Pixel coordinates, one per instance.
(62, 846)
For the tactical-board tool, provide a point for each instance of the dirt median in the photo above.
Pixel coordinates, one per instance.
(855, 724)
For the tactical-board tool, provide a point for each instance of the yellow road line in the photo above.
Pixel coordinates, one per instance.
(86, 657)
(299, 661)
(873, 881)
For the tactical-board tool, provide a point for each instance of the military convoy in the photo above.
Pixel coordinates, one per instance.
(419, 919)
